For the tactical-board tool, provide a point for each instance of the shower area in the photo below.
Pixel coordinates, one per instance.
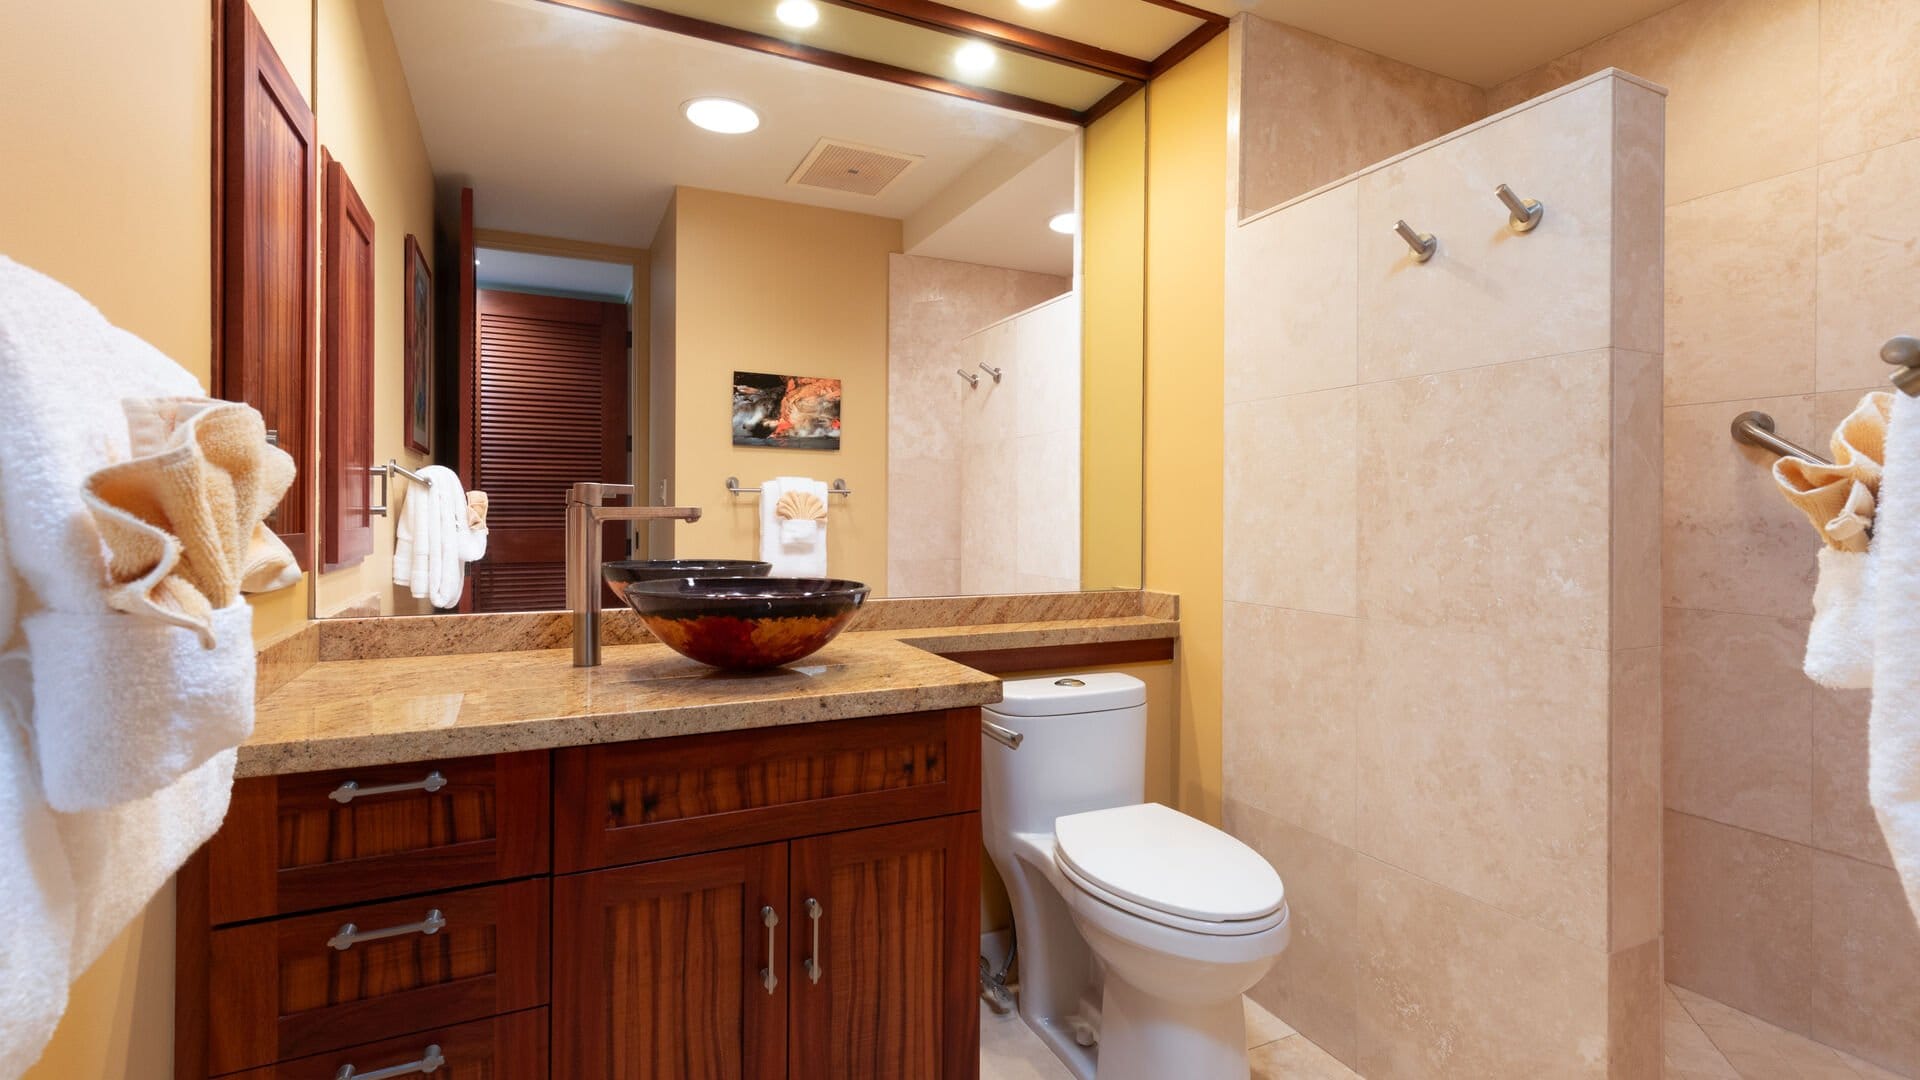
(983, 455)
(1513, 626)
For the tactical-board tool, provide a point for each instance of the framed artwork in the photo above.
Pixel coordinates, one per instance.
(789, 412)
(418, 360)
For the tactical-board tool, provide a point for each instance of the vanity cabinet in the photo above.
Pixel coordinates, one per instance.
(788, 902)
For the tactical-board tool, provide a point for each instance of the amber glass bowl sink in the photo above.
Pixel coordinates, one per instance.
(746, 623)
(621, 573)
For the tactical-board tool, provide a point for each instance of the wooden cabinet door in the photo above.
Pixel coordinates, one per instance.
(660, 969)
(891, 918)
(346, 490)
(266, 333)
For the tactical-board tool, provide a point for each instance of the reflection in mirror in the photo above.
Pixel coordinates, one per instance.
(778, 292)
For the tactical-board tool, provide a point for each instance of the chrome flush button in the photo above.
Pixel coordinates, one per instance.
(1068, 682)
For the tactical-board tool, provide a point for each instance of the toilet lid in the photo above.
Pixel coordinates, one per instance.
(1164, 860)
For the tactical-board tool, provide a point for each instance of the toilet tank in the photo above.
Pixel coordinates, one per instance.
(1083, 747)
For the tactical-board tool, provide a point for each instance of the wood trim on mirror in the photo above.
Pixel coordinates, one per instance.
(1010, 36)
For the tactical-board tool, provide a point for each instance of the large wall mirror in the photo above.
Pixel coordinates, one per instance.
(701, 246)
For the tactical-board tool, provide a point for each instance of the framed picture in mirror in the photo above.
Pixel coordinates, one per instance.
(418, 358)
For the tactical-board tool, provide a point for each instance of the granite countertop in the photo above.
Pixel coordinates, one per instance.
(383, 710)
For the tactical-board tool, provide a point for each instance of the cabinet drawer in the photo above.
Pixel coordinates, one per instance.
(658, 798)
(306, 984)
(316, 840)
(510, 1047)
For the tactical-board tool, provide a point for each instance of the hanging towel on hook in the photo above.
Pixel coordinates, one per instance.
(1893, 732)
(1840, 500)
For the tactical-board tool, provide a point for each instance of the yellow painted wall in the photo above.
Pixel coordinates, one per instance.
(1185, 388)
(1114, 186)
(760, 285)
(365, 118)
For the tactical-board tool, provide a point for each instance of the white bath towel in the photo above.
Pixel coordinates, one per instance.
(1840, 642)
(1893, 733)
(434, 541)
(63, 372)
(805, 555)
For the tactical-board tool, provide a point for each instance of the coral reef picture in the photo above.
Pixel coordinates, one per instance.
(792, 412)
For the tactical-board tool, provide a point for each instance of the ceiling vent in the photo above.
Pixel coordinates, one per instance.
(847, 167)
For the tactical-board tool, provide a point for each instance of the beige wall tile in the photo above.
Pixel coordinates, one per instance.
(1484, 500)
(1740, 292)
(1868, 262)
(1739, 717)
(1637, 467)
(1313, 110)
(1047, 488)
(1291, 695)
(1484, 769)
(923, 577)
(1450, 987)
(1843, 819)
(1689, 1053)
(1311, 987)
(1636, 995)
(1869, 84)
(1743, 87)
(1291, 502)
(1866, 963)
(1732, 543)
(1757, 1050)
(1639, 199)
(923, 502)
(1635, 800)
(1291, 300)
(1739, 918)
(1479, 299)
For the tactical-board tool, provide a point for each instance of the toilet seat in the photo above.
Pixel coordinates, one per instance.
(1168, 868)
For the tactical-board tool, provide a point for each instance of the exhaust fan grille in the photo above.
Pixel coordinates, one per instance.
(851, 168)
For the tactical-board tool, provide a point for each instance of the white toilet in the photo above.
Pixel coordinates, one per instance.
(1138, 927)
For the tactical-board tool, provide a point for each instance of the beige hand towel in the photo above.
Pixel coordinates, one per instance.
(1839, 498)
(182, 520)
(477, 510)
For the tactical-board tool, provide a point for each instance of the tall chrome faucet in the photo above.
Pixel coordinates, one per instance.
(585, 514)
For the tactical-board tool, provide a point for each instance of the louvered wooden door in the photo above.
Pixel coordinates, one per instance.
(552, 411)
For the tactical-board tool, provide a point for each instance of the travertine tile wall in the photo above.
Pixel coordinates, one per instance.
(1020, 453)
(933, 305)
(1442, 619)
(1793, 250)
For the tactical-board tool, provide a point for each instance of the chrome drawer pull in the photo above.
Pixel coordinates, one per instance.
(352, 790)
(767, 978)
(430, 1061)
(814, 969)
(350, 935)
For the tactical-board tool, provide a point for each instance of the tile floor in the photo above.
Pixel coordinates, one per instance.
(1705, 1041)
(1008, 1051)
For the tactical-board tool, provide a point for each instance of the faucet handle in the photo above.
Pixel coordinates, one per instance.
(588, 493)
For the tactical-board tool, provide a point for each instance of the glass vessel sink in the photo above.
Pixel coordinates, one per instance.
(621, 573)
(746, 623)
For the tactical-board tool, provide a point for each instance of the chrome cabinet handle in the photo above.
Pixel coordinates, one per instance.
(350, 935)
(430, 1061)
(352, 790)
(814, 969)
(767, 977)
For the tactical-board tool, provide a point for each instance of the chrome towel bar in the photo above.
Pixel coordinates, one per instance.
(1756, 429)
(386, 473)
(838, 487)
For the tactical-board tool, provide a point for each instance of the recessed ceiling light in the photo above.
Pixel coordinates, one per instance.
(974, 57)
(723, 115)
(1068, 223)
(1036, 5)
(801, 13)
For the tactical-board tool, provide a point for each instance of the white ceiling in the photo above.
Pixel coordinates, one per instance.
(497, 269)
(567, 124)
(1007, 225)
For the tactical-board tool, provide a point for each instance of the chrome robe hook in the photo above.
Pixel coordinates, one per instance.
(1423, 244)
(1523, 214)
(972, 379)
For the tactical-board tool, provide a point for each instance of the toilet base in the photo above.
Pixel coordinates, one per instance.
(1147, 1038)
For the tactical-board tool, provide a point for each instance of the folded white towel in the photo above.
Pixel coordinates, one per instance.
(1840, 643)
(805, 555)
(433, 541)
(1893, 732)
(64, 371)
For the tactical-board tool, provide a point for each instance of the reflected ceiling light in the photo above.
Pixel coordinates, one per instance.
(800, 13)
(1068, 223)
(1036, 5)
(974, 57)
(723, 115)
